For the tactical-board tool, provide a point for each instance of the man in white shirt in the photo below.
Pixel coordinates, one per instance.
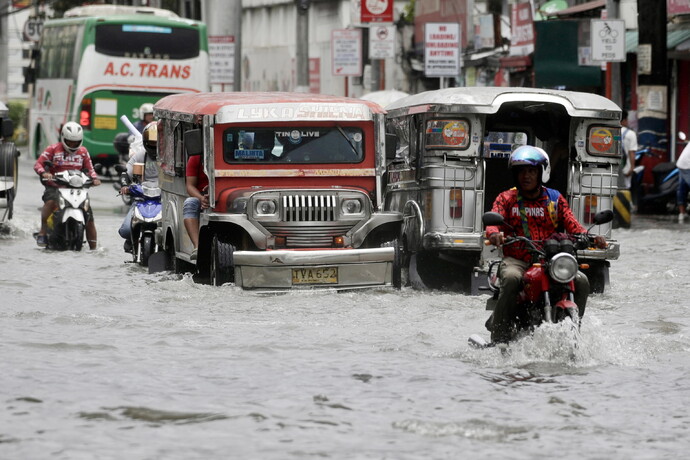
(626, 170)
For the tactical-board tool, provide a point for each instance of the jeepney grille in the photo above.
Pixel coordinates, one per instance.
(311, 236)
(308, 208)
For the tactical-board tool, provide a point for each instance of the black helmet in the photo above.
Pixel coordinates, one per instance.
(150, 139)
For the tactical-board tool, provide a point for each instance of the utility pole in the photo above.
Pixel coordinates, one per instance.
(614, 68)
(223, 20)
(4, 44)
(302, 51)
(652, 90)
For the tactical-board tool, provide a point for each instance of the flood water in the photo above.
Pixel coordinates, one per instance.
(102, 360)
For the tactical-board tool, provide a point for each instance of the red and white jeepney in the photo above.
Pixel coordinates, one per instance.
(294, 188)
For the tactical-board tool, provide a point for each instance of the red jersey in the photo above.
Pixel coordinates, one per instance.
(542, 217)
(64, 161)
(195, 169)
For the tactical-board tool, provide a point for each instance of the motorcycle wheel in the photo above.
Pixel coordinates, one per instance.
(74, 235)
(222, 266)
(147, 248)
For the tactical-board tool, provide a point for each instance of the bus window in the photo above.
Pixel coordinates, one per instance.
(147, 40)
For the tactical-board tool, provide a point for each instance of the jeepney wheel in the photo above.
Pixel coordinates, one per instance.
(172, 263)
(598, 276)
(222, 266)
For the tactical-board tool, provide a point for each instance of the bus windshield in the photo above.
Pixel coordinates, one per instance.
(293, 145)
(146, 41)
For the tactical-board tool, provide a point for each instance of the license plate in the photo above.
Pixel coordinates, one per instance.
(321, 275)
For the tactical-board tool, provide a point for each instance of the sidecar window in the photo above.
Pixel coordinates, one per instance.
(604, 141)
(447, 134)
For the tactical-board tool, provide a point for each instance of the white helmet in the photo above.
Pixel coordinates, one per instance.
(144, 109)
(73, 133)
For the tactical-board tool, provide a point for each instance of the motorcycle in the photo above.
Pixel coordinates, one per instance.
(122, 143)
(548, 292)
(660, 198)
(147, 214)
(67, 223)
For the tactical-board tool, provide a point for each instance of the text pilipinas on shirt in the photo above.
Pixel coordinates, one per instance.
(529, 212)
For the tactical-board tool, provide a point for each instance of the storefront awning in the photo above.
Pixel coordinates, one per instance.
(581, 8)
(516, 62)
(674, 38)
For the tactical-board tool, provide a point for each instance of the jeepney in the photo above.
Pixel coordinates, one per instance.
(452, 156)
(294, 188)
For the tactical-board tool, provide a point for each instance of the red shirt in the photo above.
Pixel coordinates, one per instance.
(64, 161)
(544, 217)
(196, 169)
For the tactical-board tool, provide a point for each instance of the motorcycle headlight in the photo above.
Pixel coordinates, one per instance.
(563, 267)
(351, 206)
(61, 202)
(265, 207)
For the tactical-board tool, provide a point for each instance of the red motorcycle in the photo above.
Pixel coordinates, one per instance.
(548, 293)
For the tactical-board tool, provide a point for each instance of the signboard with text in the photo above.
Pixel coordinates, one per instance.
(521, 30)
(346, 50)
(381, 42)
(677, 7)
(221, 52)
(608, 40)
(376, 11)
(442, 49)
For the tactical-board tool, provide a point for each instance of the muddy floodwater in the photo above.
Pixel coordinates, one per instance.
(102, 360)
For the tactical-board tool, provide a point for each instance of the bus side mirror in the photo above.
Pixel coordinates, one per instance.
(391, 146)
(7, 128)
(193, 143)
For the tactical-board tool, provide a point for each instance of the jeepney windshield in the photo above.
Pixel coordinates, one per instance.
(293, 145)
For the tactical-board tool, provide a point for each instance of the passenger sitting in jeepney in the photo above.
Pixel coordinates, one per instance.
(197, 189)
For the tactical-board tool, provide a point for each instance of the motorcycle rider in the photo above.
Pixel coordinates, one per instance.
(67, 154)
(536, 212)
(147, 156)
(145, 116)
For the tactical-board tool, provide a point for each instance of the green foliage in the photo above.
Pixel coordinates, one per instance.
(408, 12)
(18, 115)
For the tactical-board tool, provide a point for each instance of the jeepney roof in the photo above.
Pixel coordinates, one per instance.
(265, 106)
(489, 100)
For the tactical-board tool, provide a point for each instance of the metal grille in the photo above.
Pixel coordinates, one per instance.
(309, 236)
(308, 208)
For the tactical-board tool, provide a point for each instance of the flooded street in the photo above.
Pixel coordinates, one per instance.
(102, 360)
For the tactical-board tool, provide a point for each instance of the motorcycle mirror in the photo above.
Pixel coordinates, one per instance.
(492, 218)
(682, 136)
(603, 217)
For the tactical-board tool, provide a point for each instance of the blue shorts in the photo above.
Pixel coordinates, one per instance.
(191, 209)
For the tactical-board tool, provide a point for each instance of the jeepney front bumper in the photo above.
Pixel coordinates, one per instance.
(321, 268)
(612, 252)
(453, 240)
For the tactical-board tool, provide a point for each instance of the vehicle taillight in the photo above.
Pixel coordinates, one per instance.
(590, 208)
(85, 114)
(455, 202)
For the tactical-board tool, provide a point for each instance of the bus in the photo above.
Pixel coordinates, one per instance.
(100, 62)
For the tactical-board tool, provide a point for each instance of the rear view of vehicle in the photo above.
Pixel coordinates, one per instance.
(453, 147)
(294, 190)
(9, 167)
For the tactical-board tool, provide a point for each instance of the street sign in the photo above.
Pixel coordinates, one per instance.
(376, 11)
(442, 49)
(346, 49)
(33, 28)
(608, 40)
(221, 50)
(381, 42)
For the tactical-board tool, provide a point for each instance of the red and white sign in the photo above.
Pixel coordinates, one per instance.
(376, 11)
(381, 42)
(346, 50)
(441, 50)
(677, 7)
(522, 28)
(221, 53)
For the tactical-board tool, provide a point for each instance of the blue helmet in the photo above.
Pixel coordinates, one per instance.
(528, 155)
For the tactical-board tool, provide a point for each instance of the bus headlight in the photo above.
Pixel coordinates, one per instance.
(563, 267)
(265, 207)
(351, 206)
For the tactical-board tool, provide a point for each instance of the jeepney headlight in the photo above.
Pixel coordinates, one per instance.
(563, 267)
(351, 206)
(238, 206)
(265, 207)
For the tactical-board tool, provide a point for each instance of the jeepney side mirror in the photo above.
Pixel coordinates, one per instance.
(682, 136)
(7, 128)
(193, 143)
(391, 146)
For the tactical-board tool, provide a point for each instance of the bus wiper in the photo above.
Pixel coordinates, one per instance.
(349, 141)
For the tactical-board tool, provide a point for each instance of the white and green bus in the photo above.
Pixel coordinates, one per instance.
(100, 62)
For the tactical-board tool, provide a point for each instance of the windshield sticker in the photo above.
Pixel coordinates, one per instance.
(601, 139)
(454, 133)
(357, 137)
(249, 154)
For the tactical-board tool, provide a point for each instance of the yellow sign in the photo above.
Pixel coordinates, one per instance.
(309, 275)
(104, 123)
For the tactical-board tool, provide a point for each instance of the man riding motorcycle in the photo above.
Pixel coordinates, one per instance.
(65, 155)
(532, 210)
(147, 156)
